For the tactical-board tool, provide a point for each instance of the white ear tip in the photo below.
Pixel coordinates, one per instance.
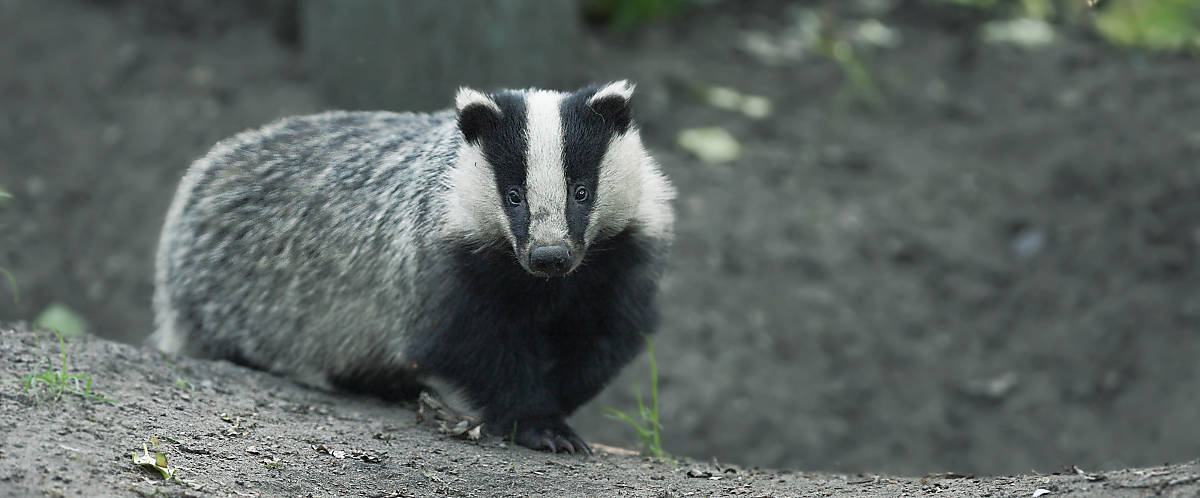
(621, 88)
(468, 97)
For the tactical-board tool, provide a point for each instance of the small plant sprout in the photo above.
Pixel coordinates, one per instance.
(646, 423)
(57, 381)
(855, 70)
(181, 380)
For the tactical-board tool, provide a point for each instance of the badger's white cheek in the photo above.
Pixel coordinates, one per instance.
(619, 188)
(473, 206)
(654, 212)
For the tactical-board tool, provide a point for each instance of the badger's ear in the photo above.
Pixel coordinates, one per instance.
(612, 101)
(476, 111)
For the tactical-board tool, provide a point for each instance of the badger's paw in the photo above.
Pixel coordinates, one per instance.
(553, 436)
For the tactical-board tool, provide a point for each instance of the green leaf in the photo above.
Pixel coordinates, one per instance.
(59, 317)
(1151, 24)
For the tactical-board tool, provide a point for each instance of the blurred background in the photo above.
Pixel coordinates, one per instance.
(914, 236)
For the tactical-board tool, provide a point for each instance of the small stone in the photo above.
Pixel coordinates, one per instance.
(711, 145)
(1024, 32)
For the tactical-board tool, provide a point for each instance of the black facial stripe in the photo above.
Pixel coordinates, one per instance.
(506, 146)
(586, 135)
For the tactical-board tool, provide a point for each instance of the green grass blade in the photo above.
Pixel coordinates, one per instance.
(12, 281)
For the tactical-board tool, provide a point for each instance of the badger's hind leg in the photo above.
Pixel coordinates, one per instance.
(378, 380)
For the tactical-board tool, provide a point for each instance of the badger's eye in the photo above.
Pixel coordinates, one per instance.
(581, 193)
(514, 196)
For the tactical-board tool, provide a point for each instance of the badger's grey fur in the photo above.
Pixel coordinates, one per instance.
(510, 247)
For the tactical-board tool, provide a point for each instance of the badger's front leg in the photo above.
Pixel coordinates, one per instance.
(525, 410)
(587, 354)
(503, 373)
(550, 434)
(591, 346)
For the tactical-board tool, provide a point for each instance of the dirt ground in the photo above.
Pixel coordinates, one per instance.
(230, 431)
(992, 273)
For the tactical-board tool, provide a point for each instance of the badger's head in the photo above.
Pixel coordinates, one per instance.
(552, 173)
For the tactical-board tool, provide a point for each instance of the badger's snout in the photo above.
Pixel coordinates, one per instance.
(551, 261)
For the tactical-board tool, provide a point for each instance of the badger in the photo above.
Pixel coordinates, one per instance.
(510, 247)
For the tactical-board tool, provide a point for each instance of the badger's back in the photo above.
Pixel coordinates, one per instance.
(287, 248)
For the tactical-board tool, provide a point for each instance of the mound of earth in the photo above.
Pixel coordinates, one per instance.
(225, 430)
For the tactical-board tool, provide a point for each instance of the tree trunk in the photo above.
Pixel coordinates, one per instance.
(414, 54)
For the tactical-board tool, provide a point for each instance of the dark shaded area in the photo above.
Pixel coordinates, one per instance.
(994, 273)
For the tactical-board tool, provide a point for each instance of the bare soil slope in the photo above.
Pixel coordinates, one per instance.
(236, 432)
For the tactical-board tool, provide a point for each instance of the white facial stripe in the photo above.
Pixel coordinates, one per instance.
(545, 176)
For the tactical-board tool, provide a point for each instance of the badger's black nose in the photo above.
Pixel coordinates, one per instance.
(553, 260)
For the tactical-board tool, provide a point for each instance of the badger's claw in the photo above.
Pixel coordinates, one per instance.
(564, 444)
(553, 437)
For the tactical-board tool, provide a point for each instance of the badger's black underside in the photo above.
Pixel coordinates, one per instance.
(529, 351)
